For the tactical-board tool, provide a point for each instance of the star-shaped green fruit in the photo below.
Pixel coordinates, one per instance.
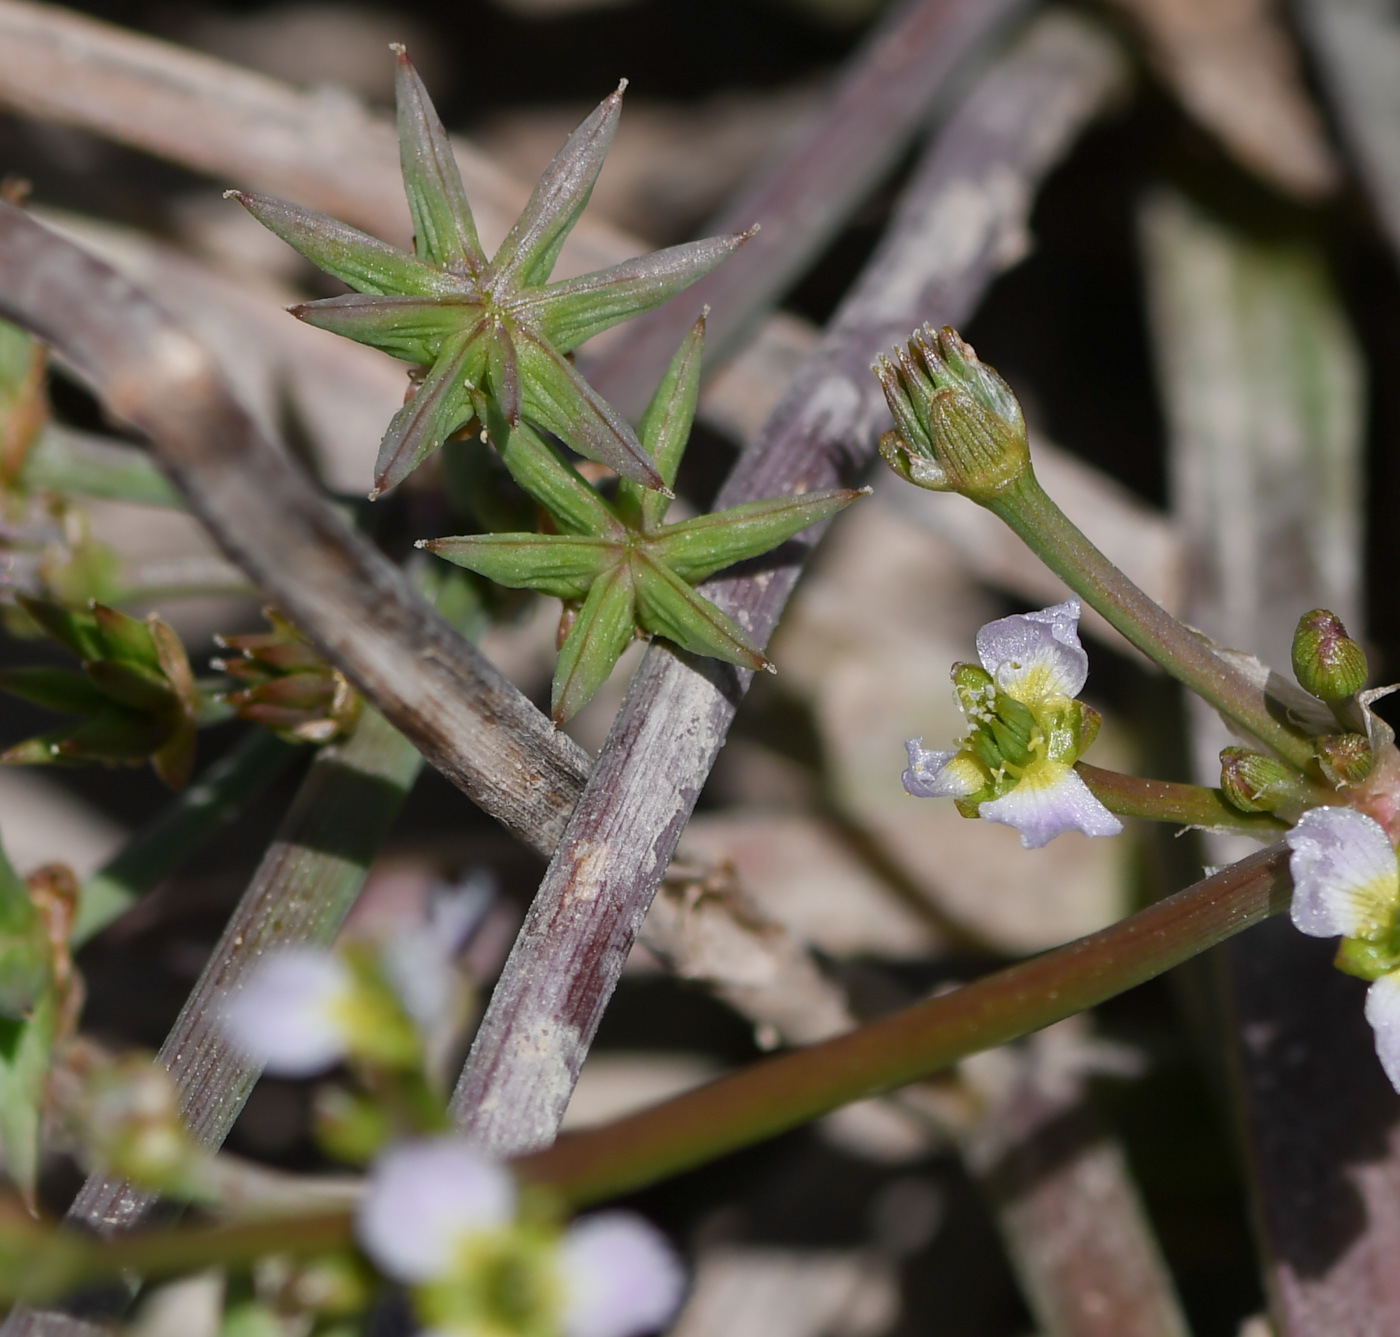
(496, 327)
(625, 569)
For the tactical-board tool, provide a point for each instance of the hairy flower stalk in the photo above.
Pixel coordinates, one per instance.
(958, 428)
(619, 567)
(491, 332)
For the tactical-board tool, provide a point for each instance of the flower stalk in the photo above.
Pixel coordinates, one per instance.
(1026, 507)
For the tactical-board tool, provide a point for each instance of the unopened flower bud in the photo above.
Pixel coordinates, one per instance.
(958, 427)
(1345, 758)
(1326, 661)
(1254, 782)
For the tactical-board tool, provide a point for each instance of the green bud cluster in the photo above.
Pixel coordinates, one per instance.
(958, 426)
(135, 692)
(1326, 661)
(290, 686)
(1006, 735)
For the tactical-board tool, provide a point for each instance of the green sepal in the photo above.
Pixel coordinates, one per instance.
(557, 398)
(26, 1050)
(667, 606)
(60, 689)
(413, 329)
(532, 245)
(367, 264)
(125, 638)
(556, 564)
(444, 232)
(118, 737)
(600, 633)
(77, 632)
(442, 404)
(572, 311)
(665, 430)
(695, 549)
(133, 686)
(1368, 960)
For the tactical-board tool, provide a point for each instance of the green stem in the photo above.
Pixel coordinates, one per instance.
(215, 798)
(776, 1094)
(1055, 539)
(1168, 801)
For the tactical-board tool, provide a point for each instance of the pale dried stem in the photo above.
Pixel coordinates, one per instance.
(958, 225)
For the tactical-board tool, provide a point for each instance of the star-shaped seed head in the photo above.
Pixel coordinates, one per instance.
(496, 330)
(620, 566)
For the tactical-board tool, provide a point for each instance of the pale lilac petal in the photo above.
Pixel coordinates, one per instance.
(1049, 799)
(286, 1016)
(1383, 1012)
(423, 1198)
(1346, 882)
(620, 1275)
(1035, 656)
(421, 962)
(940, 774)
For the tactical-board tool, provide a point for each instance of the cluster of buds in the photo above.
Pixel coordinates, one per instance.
(289, 686)
(1025, 732)
(135, 691)
(1332, 667)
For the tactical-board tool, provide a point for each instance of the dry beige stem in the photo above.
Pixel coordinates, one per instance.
(1233, 66)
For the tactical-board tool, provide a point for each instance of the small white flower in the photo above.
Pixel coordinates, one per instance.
(421, 963)
(424, 1199)
(621, 1277)
(1036, 668)
(288, 1014)
(1346, 882)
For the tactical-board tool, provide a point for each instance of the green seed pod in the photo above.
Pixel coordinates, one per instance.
(1254, 782)
(1345, 758)
(1326, 661)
